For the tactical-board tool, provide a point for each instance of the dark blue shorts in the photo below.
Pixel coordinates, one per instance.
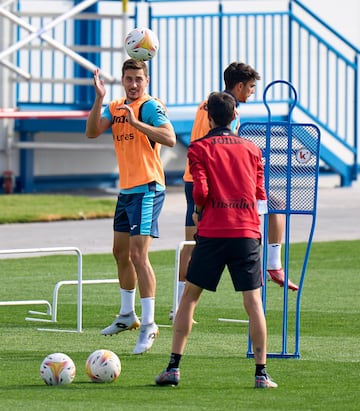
(138, 213)
(240, 255)
(189, 204)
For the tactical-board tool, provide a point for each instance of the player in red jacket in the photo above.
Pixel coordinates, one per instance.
(240, 81)
(229, 195)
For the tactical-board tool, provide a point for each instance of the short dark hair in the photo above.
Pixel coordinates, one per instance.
(221, 108)
(132, 64)
(239, 73)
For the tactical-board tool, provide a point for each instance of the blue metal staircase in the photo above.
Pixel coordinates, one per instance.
(293, 45)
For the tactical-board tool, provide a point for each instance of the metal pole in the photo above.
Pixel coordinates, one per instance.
(17, 70)
(125, 19)
(52, 42)
(75, 10)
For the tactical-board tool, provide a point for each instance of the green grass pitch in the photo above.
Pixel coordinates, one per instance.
(215, 373)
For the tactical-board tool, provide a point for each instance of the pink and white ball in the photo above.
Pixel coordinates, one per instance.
(57, 369)
(103, 366)
(141, 44)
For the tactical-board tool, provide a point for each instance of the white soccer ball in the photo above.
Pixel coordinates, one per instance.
(57, 369)
(142, 44)
(103, 366)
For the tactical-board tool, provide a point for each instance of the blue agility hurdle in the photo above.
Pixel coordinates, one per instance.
(291, 165)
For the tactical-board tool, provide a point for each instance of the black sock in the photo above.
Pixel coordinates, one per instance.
(260, 369)
(174, 361)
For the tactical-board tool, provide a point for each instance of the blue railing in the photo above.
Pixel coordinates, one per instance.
(291, 44)
(326, 74)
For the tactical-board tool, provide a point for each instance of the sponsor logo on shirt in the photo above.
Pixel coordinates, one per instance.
(238, 204)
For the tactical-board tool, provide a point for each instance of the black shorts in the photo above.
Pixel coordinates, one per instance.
(240, 255)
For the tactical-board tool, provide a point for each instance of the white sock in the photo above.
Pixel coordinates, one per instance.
(180, 290)
(147, 310)
(274, 256)
(127, 301)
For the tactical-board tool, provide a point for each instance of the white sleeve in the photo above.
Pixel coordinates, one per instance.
(262, 206)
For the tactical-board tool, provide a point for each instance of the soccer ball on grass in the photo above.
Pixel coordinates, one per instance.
(103, 366)
(141, 44)
(57, 369)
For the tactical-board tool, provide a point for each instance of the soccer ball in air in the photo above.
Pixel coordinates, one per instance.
(103, 366)
(142, 44)
(57, 369)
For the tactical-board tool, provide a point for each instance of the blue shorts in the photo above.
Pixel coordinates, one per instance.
(138, 213)
(189, 205)
(240, 255)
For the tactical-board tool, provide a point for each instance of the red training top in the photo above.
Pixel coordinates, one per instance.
(228, 178)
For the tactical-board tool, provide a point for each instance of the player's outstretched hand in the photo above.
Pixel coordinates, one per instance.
(99, 84)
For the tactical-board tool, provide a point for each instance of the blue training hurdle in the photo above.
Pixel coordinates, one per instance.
(291, 162)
